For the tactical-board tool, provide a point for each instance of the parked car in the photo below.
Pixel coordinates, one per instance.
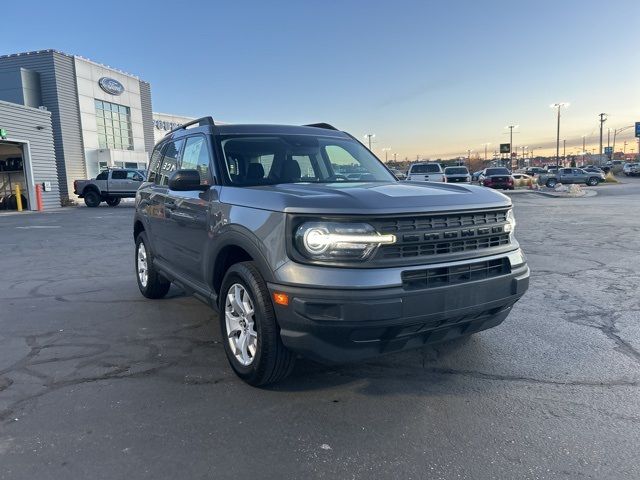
(631, 169)
(457, 175)
(398, 174)
(522, 180)
(475, 176)
(109, 186)
(596, 168)
(256, 223)
(425, 172)
(497, 177)
(570, 175)
(532, 171)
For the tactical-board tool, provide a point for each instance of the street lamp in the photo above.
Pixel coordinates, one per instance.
(369, 136)
(386, 153)
(469, 157)
(558, 106)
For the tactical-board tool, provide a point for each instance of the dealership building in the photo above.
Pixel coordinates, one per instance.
(64, 117)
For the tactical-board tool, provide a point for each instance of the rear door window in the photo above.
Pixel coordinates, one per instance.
(170, 158)
(196, 157)
(119, 175)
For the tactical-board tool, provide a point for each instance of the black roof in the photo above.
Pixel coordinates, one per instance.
(206, 125)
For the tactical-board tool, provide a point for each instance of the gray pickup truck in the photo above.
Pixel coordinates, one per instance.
(109, 186)
(570, 175)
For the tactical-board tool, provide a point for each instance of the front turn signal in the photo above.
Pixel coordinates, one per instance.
(281, 298)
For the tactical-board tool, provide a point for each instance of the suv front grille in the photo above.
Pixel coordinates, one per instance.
(439, 277)
(444, 234)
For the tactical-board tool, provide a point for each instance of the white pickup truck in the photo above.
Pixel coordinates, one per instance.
(109, 186)
(426, 172)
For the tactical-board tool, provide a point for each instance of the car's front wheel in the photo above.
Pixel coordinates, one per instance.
(150, 282)
(113, 201)
(250, 333)
(551, 183)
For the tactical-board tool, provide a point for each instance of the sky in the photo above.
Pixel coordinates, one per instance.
(430, 79)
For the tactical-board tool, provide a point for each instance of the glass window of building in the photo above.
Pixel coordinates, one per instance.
(114, 126)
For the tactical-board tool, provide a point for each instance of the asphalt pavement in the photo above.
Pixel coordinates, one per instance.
(98, 382)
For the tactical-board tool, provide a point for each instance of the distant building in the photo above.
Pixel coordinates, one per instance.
(99, 116)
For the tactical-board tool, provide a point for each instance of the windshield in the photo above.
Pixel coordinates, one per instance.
(272, 159)
(456, 171)
(426, 168)
(497, 171)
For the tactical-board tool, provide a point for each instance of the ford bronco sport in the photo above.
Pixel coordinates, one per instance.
(263, 223)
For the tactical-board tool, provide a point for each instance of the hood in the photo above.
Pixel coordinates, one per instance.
(364, 198)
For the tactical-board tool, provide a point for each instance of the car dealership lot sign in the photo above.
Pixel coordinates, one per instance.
(111, 86)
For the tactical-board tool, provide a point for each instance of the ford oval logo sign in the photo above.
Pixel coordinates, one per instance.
(111, 86)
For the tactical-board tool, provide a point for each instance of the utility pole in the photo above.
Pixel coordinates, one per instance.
(386, 154)
(395, 155)
(603, 118)
(564, 150)
(584, 137)
(558, 106)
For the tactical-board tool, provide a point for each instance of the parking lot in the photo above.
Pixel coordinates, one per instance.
(98, 382)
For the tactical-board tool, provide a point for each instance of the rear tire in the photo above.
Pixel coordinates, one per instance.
(551, 183)
(150, 282)
(267, 360)
(113, 201)
(592, 182)
(92, 199)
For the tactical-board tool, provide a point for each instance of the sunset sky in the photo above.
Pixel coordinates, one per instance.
(429, 78)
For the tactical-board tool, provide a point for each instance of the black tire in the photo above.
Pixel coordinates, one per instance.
(551, 183)
(113, 201)
(592, 182)
(92, 199)
(156, 286)
(272, 360)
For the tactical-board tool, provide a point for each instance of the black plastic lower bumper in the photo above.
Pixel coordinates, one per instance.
(338, 326)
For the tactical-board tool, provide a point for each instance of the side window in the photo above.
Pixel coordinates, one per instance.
(307, 171)
(103, 175)
(566, 171)
(196, 157)
(133, 175)
(154, 163)
(341, 160)
(169, 161)
(119, 175)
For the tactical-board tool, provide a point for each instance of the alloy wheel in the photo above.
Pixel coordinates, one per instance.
(239, 315)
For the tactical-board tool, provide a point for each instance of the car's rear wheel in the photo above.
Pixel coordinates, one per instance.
(551, 183)
(250, 333)
(92, 199)
(592, 182)
(150, 282)
(113, 201)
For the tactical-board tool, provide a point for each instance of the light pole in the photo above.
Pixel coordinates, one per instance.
(395, 156)
(584, 148)
(511, 149)
(616, 132)
(603, 118)
(564, 151)
(469, 158)
(525, 147)
(558, 106)
(485, 150)
(386, 153)
(369, 136)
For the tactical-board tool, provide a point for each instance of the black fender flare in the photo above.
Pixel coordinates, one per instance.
(235, 236)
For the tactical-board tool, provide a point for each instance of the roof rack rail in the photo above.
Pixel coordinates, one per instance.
(326, 126)
(200, 121)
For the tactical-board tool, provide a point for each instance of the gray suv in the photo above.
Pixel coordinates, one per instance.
(263, 223)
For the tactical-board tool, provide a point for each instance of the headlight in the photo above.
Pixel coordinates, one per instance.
(339, 241)
(510, 226)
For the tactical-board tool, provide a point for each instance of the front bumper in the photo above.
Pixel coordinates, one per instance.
(343, 325)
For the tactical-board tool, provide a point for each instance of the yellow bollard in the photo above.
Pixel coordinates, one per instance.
(18, 198)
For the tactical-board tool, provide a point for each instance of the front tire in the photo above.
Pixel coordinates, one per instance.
(551, 183)
(250, 333)
(92, 199)
(150, 282)
(113, 201)
(592, 182)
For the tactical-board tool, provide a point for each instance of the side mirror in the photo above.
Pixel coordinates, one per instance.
(186, 181)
